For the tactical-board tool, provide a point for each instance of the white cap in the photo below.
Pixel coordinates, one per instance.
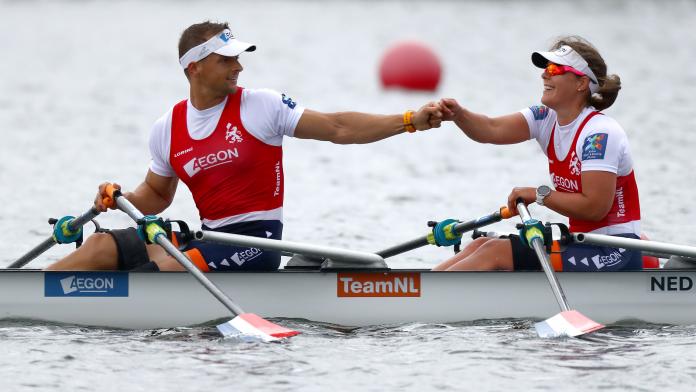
(565, 55)
(223, 44)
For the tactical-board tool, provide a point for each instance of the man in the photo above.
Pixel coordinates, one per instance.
(225, 144)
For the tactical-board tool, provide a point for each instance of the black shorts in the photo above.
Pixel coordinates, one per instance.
(578, 257)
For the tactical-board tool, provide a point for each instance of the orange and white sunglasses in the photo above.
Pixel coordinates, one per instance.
(555, 69)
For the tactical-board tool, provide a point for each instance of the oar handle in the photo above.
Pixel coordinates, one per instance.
(113, 193)
(502, 213)
(538, 245)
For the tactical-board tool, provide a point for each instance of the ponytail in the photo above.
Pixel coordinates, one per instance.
(609, 85)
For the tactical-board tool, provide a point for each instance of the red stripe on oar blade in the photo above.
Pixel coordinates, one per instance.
(268, 327)
(581, 322)
(250, 327)
(569, 323)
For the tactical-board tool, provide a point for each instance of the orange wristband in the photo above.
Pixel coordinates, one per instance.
(408, 121)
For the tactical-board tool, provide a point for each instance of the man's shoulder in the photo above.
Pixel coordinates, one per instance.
(259, 94)
(267, 97)
(161, 123)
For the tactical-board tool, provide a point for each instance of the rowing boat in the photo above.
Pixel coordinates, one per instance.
(350, 297)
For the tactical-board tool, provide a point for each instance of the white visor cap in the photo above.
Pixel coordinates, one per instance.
(565, 55)
(222, 43)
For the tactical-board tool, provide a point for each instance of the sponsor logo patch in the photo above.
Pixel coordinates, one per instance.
(600, 261)
(209, 161)
(288, 101)
(86, 284)
(401, 284)
(540, 112)
(566, 184)
(226, 35)
(562, 51)
(594, 146)
(182, 152)
(276, 192)
(239, 258)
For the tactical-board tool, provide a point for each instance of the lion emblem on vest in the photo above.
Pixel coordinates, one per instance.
(233, 135)
(574, 165)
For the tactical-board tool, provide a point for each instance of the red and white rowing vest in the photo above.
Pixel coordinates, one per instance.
(230, 172)
(566, 177)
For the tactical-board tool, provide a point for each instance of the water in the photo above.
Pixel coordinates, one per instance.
(83, 81)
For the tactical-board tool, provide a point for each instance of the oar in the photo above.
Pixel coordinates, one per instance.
(632, 243)
(361, 258)
(246, 326)
(568, 322)
(457, 229)
(66, 230)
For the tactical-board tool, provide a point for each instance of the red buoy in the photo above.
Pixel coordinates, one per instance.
(410, 65)
(649, 261)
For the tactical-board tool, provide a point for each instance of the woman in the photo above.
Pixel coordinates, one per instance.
(589, 162)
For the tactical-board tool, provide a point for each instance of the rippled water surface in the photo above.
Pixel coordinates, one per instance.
(485, 355)
(82, 81)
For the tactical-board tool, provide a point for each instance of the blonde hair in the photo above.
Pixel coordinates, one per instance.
(609, 85)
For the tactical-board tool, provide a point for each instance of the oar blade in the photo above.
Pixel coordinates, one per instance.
(251, 327)
(570, 323)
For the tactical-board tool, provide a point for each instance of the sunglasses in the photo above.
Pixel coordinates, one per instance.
(555, 69)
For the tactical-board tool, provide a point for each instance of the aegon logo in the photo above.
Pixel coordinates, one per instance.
(221, 157)
(564, 183)
(403, 284)
(239, 258)
(72, 284)
(86, 284)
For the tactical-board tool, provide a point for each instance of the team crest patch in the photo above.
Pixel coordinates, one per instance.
(595, 146)
(232, 134)
(540, 112)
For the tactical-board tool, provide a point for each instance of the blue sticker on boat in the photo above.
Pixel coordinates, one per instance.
(594, 146)
(85, 284)
(539, 112)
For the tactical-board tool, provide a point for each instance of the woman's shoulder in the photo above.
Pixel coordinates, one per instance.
(541, 112)
(606, 123)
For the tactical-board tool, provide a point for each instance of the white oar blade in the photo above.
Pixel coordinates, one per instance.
(570, 323)
(250, 327)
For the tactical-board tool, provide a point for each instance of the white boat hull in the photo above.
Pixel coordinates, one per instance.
(170, 299)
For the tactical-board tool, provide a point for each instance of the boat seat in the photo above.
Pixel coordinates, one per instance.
(309, 263)
(680, 262)
(304, 262)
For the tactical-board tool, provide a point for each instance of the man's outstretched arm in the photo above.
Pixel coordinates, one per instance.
(360, 128)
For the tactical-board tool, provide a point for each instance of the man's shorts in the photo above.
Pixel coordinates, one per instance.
(578, 257)
(208, 256)
(211, 257)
